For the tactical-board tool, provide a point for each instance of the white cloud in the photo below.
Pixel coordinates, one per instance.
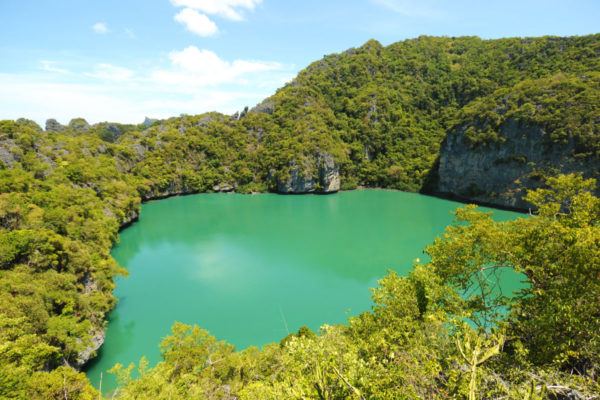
(412, 8)
(48, 66)
(31, 97)
(129, 33)
(230, 9)
(109, 72)
(195, 22)
(194, 81)
(100, 27)
(39, 100)
(193, 59)
(193, 66)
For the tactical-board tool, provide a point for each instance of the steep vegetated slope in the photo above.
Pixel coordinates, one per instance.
(516, 137)
(481, 120)
(394, 105)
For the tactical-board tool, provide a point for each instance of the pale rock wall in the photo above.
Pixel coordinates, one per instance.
(499, 173)
(318, 174)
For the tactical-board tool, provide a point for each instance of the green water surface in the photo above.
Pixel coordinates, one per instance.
(250, 268)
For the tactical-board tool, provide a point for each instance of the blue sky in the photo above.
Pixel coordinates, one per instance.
(123, 60)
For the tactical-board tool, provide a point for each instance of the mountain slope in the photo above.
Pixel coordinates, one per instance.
(481, 119)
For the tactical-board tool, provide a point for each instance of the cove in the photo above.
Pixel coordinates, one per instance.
(250, 268)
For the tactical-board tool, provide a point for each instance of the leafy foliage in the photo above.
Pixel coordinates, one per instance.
(565, 106)
(382, 113)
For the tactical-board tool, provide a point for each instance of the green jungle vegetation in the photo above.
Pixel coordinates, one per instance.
(443, 332)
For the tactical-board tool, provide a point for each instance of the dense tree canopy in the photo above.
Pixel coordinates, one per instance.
(381, 112)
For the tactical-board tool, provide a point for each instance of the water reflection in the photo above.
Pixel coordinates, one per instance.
(245, 266)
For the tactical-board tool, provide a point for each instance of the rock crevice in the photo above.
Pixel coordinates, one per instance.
(318, 174)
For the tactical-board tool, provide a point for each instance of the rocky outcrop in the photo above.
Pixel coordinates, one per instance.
(53, 125)
(79, 125)
(239, 115)
(175, 188)
(97, 339)
(223, 188)
(329, 174)
(97, 333)
(564, 393)
(266, 106)
(31, 124)
(129, 218)
(318, 174)
(499, 173)
(8, 152)
(149, 121)
(140, 150)
(47, 160)
(202, 122)
(110, 132)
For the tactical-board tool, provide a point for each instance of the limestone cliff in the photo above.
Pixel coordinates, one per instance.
(499, 172)
(318, 174)
(97, 339)
(97, 333)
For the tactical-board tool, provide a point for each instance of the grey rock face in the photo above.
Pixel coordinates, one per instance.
(267, 106)
(223, 188)
(53, 125)
(203, 123)
(301, 180)
(148, 121)
(45, 159)
(130, 217)
(112, 132)
(500, 173)
(78, 125)
(7, 157)
(175, 188)
(317, 175)
(140, 150)
(97, 334)
(329, 174)
(32, 124)
(565, 393)
(84, 356)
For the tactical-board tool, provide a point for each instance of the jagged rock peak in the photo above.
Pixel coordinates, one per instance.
(53, 125)
(79, 125)
(30, 123)
(149, 121)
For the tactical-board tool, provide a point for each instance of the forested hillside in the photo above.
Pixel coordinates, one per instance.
(478, 119)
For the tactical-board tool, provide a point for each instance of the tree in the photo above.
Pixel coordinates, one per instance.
(557, 250)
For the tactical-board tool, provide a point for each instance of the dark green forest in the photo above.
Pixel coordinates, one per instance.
(382, 114)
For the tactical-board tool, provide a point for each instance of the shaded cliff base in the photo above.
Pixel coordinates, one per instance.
(465, 200)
